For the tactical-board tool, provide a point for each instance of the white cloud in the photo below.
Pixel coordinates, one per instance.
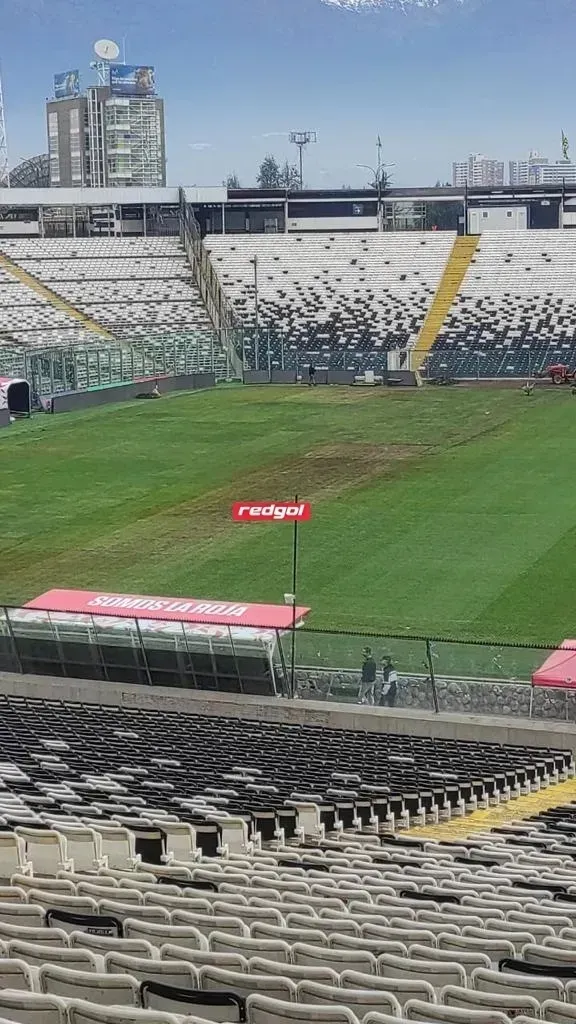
(200, 145)
(274, 135)
(359, 6)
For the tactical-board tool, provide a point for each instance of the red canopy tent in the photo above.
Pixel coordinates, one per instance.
(559, 669)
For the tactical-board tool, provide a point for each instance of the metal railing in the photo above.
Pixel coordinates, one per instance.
(421, 673)
(487, 360)
(51, 371)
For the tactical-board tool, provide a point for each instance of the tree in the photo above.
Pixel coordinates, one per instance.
(269, 173)
(289, 176)
(232, 181)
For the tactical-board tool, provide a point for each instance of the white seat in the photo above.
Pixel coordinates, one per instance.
(32, 1008)
(23, 914)
(494, 949)
(207, 923)
(84, 847)
(416, 1010)
(104, 989)
(359, 1000)
(102, 891)
(45, 850)
(558, 1012)
(549, 956)
(337, 960)
(122, 911)
(117, 846)
(246, 984)
(168, 972)
(102, 944)
(340, 925)
(296, 973)
(437, 973)
(57, 901)
(470, 999)
(16, 974)
(36, 956)
(401, 988)
(158, 934)
(203, 957)
(39, 936)
(263, 1010)
(272, 949)
(26, 883)
(517, 984)
(375, 946)
(12, 855)
(468, 960)
(81, 1012)
(310, 935)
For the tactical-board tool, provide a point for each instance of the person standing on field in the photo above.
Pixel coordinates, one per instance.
(311, 376)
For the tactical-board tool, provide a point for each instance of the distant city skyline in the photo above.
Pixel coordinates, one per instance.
(237, 77)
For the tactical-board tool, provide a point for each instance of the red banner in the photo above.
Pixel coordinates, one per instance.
(271, 512)
(178, 609)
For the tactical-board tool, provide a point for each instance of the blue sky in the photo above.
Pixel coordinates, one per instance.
(436, 82)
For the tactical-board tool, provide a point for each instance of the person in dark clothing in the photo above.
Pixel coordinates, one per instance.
(368, 678)
(389, 692)
(311, 376)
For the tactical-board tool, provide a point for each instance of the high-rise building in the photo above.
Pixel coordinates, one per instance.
(104, 138)
(477, 170)
(537, 170)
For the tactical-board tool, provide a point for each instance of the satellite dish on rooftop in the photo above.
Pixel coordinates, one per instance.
(106, 49)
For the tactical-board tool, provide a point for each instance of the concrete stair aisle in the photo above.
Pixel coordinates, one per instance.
(18, 272)
(458, 263)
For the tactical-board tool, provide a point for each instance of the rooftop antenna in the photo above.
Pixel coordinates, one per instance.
(106, 51)
(4, 172)
(301, 139)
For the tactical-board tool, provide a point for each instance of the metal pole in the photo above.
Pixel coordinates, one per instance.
(294, 590)
(256, 315)
(301, 149)
(432, 676)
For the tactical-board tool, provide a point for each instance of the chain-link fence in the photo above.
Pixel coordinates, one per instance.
(424, 674)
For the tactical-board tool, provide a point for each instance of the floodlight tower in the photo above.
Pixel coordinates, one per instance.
(4, 172)
(301, 139)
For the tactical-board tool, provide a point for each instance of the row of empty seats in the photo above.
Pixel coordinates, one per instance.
(131, 287)
(478, 932)
(515, 312)
(335, 300)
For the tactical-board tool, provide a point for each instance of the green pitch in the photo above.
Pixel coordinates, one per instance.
(449, 512)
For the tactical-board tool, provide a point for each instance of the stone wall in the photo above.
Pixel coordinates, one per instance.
(464, 696)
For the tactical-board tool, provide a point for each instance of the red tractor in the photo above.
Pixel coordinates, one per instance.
(559, 373)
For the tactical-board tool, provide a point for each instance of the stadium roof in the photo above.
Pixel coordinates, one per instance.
(26, 191)
(31, 173)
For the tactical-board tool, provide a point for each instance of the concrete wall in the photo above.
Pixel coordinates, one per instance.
(73, 400)
(4, 418)
(461, 696)
(405, 721)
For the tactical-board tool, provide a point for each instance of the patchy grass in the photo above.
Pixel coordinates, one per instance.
(437, 511)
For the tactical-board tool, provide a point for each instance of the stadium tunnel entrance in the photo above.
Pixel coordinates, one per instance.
(15, 395)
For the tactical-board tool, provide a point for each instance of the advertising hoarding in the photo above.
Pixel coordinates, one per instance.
(67, 84)
(132, 80)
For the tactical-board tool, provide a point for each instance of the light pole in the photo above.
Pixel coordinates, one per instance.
(254, 261)
(377, 172)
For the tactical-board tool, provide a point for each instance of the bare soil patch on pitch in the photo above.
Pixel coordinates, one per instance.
(322, 473)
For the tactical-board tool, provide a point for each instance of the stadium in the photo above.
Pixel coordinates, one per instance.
(337, 784)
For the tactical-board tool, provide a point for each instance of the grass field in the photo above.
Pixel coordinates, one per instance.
(439, 511)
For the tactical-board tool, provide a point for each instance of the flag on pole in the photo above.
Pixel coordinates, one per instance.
(565, 146)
